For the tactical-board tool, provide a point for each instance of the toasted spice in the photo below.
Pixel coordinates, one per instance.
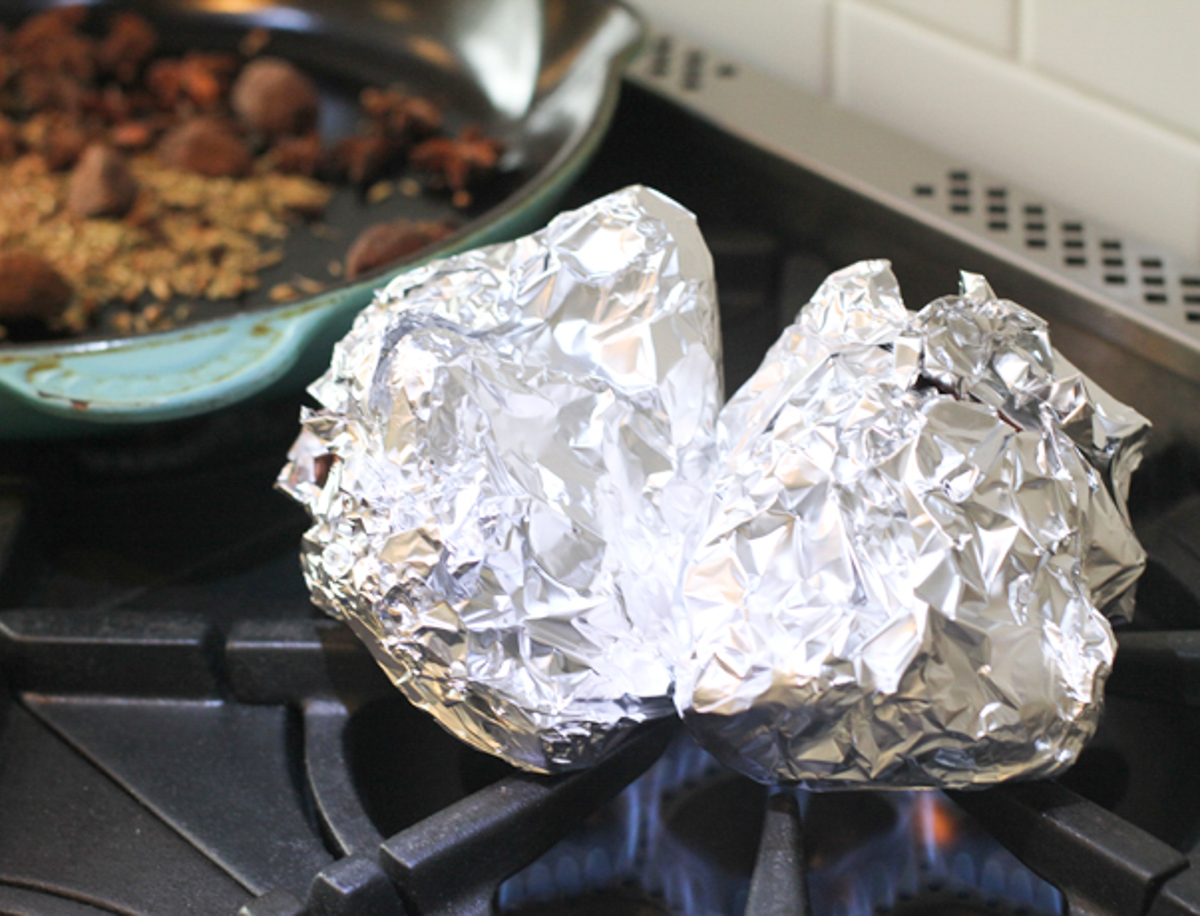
(297, 155)
(207, 146)
(101, 184)
(361, 159)
(383, 243)
(272, 96)
(283, 292)
(399, 114)
(254, 42)
(459, 160)
(136, 179)
(380, 191)
(130, 42)
(132, 135)
(30, 287)
(187, 235)
(9, 138)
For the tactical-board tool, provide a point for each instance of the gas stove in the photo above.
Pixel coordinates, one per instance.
(182, 732)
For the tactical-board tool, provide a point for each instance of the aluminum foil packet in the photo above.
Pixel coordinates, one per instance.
(915, 526)
(511, 448)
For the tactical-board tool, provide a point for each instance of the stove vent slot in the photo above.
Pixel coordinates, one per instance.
(1141, 277)
(680, 66)
(661, 53)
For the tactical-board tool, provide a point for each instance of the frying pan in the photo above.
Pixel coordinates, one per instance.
(543, 75)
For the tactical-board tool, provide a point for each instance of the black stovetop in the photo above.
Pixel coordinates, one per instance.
(182, 732)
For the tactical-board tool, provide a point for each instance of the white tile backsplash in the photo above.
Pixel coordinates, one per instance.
(1143, 55)
(1094, 103)
(1014, 122)
(990, 24)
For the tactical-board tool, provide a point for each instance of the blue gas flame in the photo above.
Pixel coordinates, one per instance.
(930, 851)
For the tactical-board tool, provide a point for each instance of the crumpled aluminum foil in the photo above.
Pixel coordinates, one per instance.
(913, 525)
(511, 450)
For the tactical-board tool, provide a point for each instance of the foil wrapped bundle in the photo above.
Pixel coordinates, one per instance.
(511, 448)
(915, 525)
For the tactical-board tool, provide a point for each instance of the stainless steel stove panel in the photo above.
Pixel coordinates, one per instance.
(1126, 293)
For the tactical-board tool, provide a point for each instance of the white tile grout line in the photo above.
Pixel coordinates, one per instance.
(829, 89)
(1024, 32)
(837, 69)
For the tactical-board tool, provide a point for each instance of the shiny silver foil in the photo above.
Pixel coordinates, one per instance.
(915, 521)
(511, 449)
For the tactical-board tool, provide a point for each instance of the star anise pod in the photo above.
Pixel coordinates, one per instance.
(460, 160)
(399, 114)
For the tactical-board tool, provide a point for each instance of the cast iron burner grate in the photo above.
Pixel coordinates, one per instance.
(182, 733)
(151, 766)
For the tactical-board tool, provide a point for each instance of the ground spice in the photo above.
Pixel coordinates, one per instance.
(188, 235)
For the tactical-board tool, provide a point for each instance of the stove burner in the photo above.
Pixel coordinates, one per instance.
(658, 836)
(688, 833)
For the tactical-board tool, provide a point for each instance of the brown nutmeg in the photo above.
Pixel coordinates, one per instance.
(272, 96)
(206, 146)
(30, 287)
(383, 243)
(101, 184)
